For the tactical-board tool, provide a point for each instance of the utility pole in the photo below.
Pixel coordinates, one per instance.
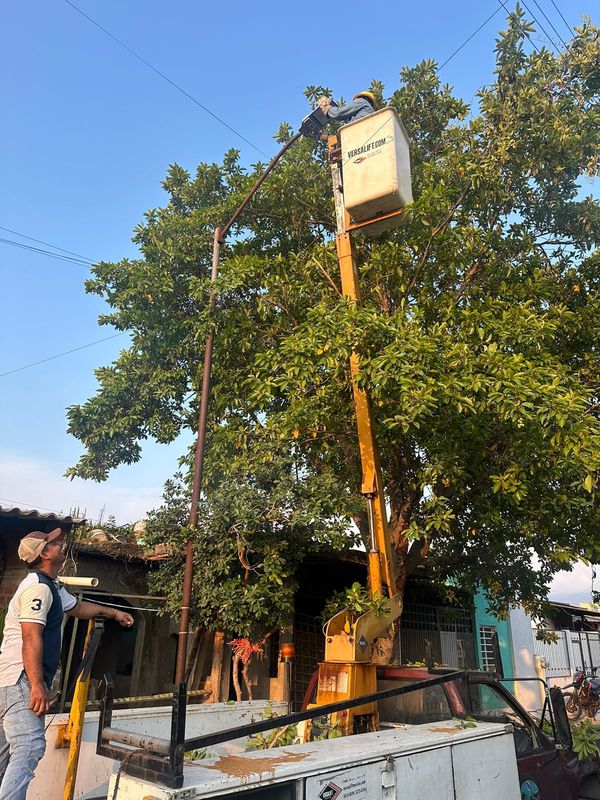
(311, 126)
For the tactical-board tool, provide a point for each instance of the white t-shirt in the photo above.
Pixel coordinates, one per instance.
(30, 603)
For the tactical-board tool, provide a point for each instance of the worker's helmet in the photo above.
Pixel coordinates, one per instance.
(368, 96)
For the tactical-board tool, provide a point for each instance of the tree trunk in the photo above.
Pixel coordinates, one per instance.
(218, 667)
(407, 557)
(246, 678)
(236, 676)
(383, 647)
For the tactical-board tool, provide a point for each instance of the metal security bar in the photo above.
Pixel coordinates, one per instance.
(310, 650)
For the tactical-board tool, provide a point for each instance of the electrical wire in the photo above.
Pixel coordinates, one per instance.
(48, 244)
(450, 57)
(475, 32)
(540, 26)
(79, 259)
(48, 253)
(20, 503)
(571, 31)
(535, 47)
(164, 77)
(51, 721)
(116, 605)
(547, 18)
(82, 260)
(59, 355)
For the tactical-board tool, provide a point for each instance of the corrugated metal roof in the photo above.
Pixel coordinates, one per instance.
(124, 550)
(581, 610)
(32, 513)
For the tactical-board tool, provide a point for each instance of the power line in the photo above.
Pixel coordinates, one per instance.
(571, 31)
(450, 57)
(91, 597)
(59, 355)
(164, 77)
(84, 262)
(79, 259)
(536, 20)
(21, 503)
(475, 32)
(49, 253)
(547, 18)
(535, 47)
(48, 244)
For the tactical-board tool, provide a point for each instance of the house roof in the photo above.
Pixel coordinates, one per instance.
(588, 613)
(32, 514)
(123, 551)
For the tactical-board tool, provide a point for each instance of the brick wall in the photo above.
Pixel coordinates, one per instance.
(14, 570)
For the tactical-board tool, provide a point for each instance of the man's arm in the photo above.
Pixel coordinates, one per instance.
(87, 610)
(33, 650)
(347, 111)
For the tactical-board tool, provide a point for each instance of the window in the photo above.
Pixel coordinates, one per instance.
(488, 638)
(414, 708)
(488, 705)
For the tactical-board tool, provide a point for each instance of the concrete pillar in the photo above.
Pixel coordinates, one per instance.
(529, 693)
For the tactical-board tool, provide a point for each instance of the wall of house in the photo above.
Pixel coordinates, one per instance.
(141, 660)
(516, 643)
(483, 617)
(14, 570)
(115, 574)
(528, 692)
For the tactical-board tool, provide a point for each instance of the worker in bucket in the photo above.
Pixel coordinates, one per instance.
(362, 104)
(30, 656)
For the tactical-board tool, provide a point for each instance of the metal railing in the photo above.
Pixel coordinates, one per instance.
(161, 760)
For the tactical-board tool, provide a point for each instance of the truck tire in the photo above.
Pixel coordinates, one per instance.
(574, 710)
(590, 788)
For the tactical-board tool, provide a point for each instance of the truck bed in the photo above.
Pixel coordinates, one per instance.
(441, 760)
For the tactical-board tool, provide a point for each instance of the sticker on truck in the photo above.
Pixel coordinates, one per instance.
(359, 783)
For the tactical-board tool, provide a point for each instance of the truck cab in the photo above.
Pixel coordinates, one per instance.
(547, 769)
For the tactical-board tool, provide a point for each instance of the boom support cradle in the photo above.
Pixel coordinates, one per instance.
(350, 642)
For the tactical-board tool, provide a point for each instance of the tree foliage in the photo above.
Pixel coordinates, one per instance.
(477, 335)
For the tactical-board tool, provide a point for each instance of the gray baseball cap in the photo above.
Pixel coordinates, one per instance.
(32, 545)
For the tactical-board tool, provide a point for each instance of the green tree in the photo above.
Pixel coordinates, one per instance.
(478, 338)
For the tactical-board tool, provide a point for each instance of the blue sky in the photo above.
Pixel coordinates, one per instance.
(89, 132)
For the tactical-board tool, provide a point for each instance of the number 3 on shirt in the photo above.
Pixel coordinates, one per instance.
(36, 604)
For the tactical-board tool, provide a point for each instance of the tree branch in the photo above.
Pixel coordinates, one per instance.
(328, 278)
(434, 233)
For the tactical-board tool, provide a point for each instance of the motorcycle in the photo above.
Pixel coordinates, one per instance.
(585, 696)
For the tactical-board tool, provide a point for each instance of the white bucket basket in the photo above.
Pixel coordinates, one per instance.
(376, 169)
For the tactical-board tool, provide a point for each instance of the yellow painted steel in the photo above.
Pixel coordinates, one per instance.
(347, 671)
(72, 731)
(351, 641)
(380, 556)
(342, 681)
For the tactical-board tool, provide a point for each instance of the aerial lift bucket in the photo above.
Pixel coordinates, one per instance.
(377, 184)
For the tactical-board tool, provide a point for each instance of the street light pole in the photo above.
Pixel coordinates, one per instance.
(218, 241)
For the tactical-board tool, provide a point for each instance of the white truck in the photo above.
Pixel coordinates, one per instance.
(441, 761)
(471, 740)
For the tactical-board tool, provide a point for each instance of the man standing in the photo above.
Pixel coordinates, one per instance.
(30, 654)
(362, 104)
